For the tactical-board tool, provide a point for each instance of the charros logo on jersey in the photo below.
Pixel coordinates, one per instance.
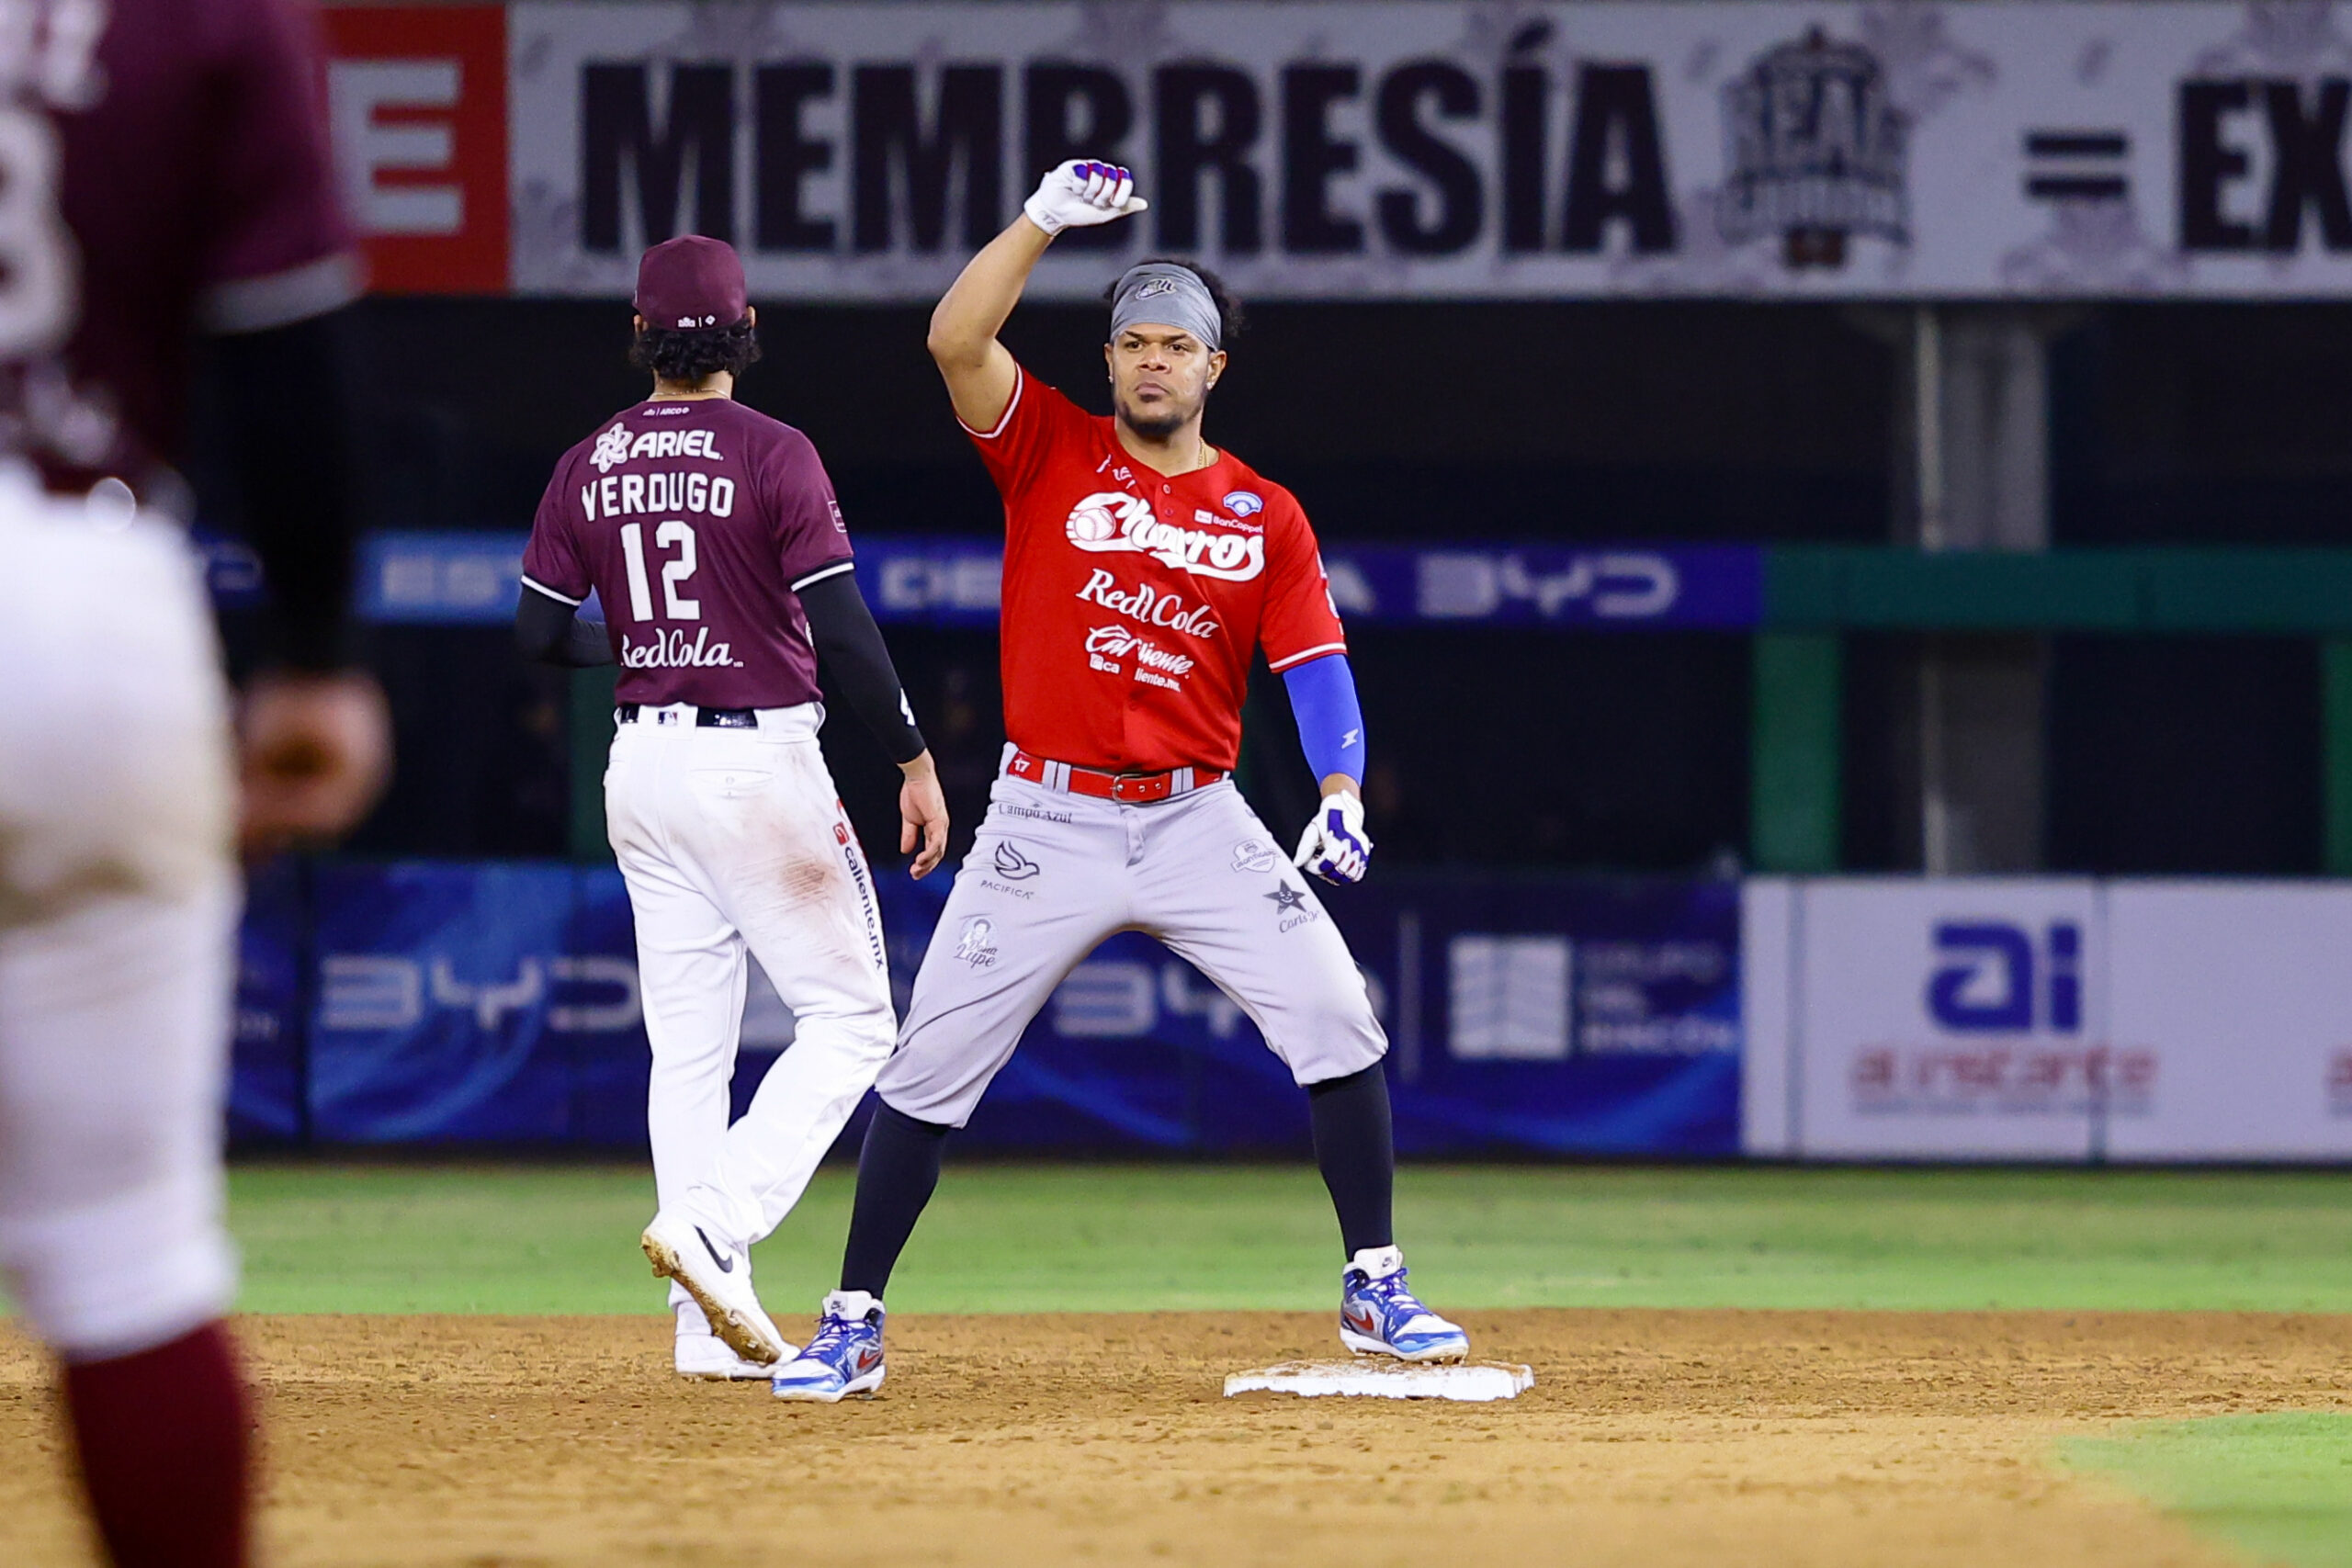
(1112, 520)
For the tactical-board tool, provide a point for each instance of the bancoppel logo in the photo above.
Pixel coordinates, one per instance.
(612, 449)
(1111, 520)
(1993, 981)
(1817, 151)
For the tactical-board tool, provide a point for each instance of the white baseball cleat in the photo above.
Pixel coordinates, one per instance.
(705, 1358)
(718, 1274)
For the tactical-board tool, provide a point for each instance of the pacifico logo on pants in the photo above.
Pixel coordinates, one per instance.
(1112, 520)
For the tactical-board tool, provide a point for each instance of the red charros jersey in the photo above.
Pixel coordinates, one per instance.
(1133, 599)
(696, 521)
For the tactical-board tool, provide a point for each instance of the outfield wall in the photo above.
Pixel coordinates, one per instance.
(496, 1003)
(2050, 1019)
(1833, 1019)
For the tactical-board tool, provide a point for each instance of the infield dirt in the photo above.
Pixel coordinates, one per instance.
(1651, 1438)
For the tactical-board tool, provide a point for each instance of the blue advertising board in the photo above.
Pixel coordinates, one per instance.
(465, 579)
(498, 1003)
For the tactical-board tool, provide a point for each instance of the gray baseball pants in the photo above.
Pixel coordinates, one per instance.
(1051, 873)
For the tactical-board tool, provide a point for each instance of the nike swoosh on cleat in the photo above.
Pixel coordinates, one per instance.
(725, 1264)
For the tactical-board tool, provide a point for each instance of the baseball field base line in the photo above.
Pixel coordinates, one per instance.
(1478, 1383)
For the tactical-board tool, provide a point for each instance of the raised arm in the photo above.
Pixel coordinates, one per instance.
(979, 373)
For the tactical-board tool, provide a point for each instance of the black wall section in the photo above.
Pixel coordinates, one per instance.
(1564, 423)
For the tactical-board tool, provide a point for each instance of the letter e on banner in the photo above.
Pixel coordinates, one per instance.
(416, 97)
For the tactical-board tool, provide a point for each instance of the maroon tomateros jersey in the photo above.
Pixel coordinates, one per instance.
(696, 521)
(163, 169)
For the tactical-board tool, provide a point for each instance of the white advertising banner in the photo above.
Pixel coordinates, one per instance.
(2046, 1018)
(2242, 995)
(1946, 1019)
(1399, 149)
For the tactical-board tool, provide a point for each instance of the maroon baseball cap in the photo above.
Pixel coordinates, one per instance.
(691, 283)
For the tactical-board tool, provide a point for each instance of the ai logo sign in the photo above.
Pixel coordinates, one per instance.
(1996, 978)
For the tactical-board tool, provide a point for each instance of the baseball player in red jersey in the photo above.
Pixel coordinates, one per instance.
(1143, 568)
(711, 534)
(164, 171)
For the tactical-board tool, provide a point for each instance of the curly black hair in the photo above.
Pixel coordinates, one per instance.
(676, 355)
(1229, 319)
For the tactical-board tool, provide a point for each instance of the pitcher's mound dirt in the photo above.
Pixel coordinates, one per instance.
(1651, 1439)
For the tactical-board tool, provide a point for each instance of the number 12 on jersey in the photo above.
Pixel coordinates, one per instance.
(673, 572)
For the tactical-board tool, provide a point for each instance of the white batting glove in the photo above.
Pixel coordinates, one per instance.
(1336, 847)
(1082, 193)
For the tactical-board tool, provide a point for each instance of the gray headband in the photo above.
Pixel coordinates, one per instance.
(1170, 296)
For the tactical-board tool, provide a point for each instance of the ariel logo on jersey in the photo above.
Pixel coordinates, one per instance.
(972, 947)
(1148, 605)
(617, 446)
(1244, 502)
(668, 649)
(612, 449)
(1110, 520)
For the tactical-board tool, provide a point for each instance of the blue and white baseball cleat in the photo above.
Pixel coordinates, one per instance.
(1378, 1316)
(843, 1357)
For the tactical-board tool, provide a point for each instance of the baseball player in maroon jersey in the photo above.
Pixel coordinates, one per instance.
(711, 534)
(164, 170)
(1143, 568)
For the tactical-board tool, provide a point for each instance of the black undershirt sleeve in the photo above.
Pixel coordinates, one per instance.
(851, 644)
(287, 397)
(550, 631)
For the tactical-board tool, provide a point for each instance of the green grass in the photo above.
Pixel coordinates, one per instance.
(1027, 1238)
(2278, 1487)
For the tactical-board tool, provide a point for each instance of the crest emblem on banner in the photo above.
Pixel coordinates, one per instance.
(1816, 153)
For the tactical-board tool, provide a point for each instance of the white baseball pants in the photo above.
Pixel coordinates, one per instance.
(1051, 875)
(734, 841)
(118, 903)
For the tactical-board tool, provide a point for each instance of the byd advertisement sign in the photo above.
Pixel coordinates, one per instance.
(1368, 148)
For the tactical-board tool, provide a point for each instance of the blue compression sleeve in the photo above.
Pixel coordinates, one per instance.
(1330, 723)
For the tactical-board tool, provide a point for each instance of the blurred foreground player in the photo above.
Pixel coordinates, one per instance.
(164, 170)
(710, 536)
(1143, 568)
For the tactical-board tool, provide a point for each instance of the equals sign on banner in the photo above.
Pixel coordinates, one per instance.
(2075, 166)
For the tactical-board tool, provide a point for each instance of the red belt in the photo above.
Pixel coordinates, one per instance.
(1129, 789)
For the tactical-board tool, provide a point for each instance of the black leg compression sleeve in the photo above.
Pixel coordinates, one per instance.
(1355, 1144)
(896, 1172)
